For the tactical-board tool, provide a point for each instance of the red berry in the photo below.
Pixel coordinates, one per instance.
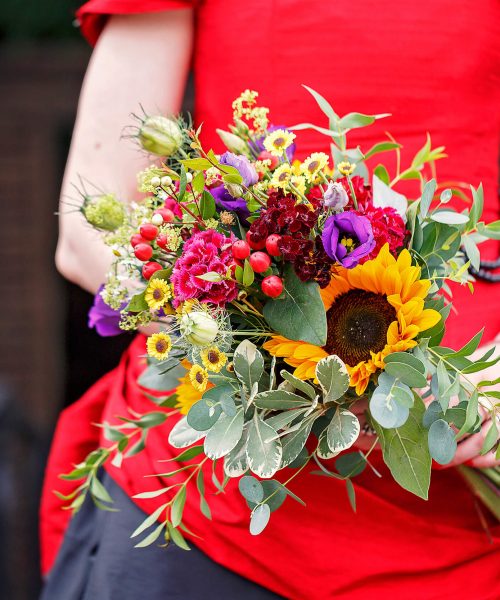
(260, 262)
(166, 213)
(255, 245)
(143, 252)
(241, 250)
(148, 231)
(272, 244)
(150, 268)
(272, 286)
(137, 239)
(162, 240)
(265, 155)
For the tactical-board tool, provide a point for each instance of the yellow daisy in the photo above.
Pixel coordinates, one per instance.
(278, 141)
(299, 183)
(373, 310)
(159, 345)
(198, 377)
(346, 168)
(213, 359)
(281, 176)
(158, 293)
(313, 164)
(187, 395)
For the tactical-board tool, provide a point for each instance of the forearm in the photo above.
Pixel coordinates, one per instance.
(139, 60)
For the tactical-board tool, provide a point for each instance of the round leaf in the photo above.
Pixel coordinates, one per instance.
(259, 519)
(203, 414)
(342, 431)
(251, 489)
(442, 442)
(386, 411)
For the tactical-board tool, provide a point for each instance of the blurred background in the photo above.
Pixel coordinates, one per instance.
(48, 357)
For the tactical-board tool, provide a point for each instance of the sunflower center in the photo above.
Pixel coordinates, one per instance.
(157, 294)
(357, 325)
(199, 377)
(161, 346)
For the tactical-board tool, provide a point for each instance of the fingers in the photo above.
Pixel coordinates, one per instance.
(469, 450)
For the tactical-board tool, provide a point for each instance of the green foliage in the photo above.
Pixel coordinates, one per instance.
(406, 452)
(442, 442)
(333, 378)
(300, 314)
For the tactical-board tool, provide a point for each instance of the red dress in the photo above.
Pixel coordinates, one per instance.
(435, 67)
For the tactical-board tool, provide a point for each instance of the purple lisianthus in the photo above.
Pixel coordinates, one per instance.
(347, 238)
(258, 144)
(243, 165)
(225, 201)
(103, 318)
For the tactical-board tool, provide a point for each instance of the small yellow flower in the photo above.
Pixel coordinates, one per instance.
(158, 293)
(346, 168)
(299, 183)
(159, 345)
(313, 164)
(281, 176)
(199, 378)
(213, 359)
(278, 141)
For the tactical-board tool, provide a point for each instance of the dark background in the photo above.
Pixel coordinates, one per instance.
(48, 357)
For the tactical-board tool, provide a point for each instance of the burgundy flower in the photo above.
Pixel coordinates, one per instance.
(388, 227)
(363, 192)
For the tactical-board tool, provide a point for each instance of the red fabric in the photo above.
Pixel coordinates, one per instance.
(436, 67)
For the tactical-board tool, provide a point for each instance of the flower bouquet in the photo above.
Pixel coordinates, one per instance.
(293, 304)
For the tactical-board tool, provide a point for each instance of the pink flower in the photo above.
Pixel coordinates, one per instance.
(205, 252)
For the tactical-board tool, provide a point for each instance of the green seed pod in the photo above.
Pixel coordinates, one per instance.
(104, 212)
(199, 328)
(232, 142)
(160, 135)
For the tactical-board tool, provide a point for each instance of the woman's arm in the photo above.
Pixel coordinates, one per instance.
(139, 60)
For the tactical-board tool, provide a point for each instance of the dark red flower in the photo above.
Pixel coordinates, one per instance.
(363, 192)
(388, 227)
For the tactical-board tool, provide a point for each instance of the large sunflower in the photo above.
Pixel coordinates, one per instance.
(372, 310)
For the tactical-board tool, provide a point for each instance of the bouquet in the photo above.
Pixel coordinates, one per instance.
(293, 304)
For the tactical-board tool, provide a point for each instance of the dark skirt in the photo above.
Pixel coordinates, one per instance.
(98, 561)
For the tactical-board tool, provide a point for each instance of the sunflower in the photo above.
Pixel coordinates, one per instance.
(213, 359)
(186, 394)
(278, 141)
(373, 310)
(157, 293)
(159, 345)
(198, 377)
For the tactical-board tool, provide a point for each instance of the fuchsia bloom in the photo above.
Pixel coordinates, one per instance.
(205, 252)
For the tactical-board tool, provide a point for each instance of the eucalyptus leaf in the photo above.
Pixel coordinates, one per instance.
(251, 489)
(203, 414)
(442, 442)
(259, 519)
(406, 453)
(407, 368)
(386, 411)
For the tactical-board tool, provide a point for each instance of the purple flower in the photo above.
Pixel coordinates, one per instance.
(243, 165)
(336, 197)
(347, 237)
(103, 318)
(258, 144)
(224, 200)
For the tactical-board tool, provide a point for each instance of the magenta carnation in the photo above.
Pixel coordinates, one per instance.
(205, 252)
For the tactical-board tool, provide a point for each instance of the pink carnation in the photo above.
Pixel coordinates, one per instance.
(205, 252)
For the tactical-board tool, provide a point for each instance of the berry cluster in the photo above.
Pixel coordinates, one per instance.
(290, 226)
(272, 285)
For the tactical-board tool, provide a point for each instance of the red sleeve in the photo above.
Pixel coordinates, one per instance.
(93, 14)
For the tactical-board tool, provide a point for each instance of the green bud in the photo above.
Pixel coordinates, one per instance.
(235, 190)
(104, 212)
(199, 328)
(160, 135)
(241, 128)
(232, 142)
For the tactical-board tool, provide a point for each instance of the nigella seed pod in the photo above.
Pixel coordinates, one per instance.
(199, 328)
(160, 135)
(104, 212)
(235, 190)
(232, 142)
